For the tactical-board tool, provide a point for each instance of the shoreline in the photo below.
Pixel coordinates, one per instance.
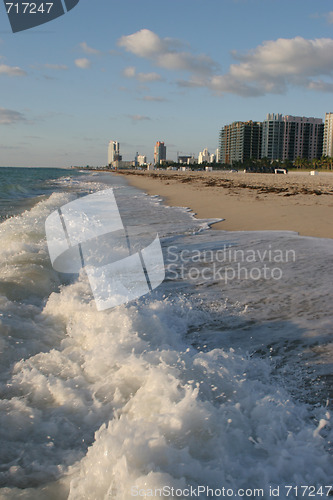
(247, 201)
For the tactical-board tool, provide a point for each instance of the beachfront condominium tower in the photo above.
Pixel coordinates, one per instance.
(276, 138)
(328, 135)
(302, 138)
(159, 152)
(272, 137)
(290, 137)
(113, 153)
(240, 141)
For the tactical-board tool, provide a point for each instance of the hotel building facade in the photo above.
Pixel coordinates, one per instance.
(276, 138)
(240, 141)
(113, 153)
(328, 135)
(159, 152)
(290, 137)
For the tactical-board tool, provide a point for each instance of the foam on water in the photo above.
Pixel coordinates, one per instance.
(151, 410)
(178, 388)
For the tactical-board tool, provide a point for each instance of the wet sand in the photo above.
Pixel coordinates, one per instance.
(247, 201)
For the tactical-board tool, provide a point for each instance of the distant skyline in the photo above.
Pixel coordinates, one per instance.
(175, 71)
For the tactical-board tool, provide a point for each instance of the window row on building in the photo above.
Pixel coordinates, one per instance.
(240, 141)
(277, 138)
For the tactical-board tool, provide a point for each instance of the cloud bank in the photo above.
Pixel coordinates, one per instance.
(165, 52)
(270, 68)
(275, 65)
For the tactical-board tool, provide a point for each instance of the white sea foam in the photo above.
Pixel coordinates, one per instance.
(153, 411)
(152, 394)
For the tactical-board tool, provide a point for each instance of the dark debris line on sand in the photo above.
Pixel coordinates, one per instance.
(229, 183)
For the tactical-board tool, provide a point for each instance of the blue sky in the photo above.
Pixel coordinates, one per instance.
(139, 71)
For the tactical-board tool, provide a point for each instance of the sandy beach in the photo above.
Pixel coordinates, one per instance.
(297, 201)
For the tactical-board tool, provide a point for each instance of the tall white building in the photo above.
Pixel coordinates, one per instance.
(204, 156)
(113, 152)
(328, 135)
(142, 160)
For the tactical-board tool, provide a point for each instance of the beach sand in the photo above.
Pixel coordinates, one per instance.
(247, 201)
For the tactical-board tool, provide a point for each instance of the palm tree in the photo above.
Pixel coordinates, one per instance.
(298, 162)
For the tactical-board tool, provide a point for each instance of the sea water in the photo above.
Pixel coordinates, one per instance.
(216, 384)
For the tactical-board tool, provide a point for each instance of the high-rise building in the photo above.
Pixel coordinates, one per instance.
(142, 160)
(188, 159)
(204, 157)
(113, 153)
(303, 137)
(276, 138)
(289, 137)
(272, 137)
(328, 135)
(240, 141)
(159, 152)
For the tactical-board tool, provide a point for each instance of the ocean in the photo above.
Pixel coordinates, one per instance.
(217, 383)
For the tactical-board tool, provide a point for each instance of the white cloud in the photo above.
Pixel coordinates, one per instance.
(8, 116)
(270, 68)
(88, 50)
(83, 63)
(130, 72)
(143, 43)
(166, 53)
(275, 65)
(11, 70)
(287, 57)
(224, 84)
